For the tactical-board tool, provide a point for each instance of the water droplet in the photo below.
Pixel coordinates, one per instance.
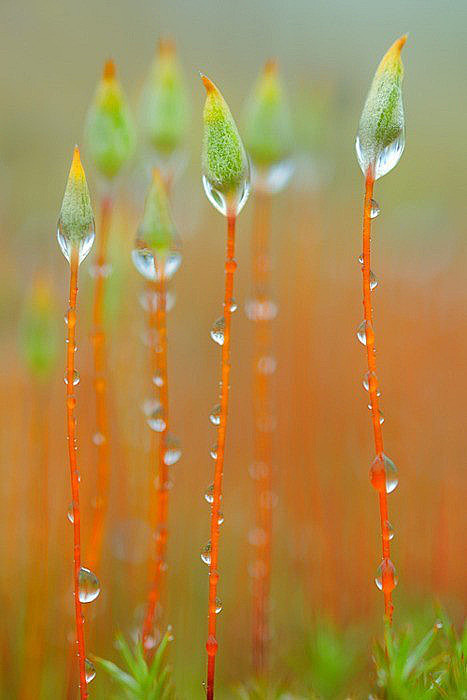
(209, 494)
(156, 420)
(386, 576)
(360, 258)
(149, 406)
(70, 514)
(383, 474)
(375, 209)
(158, 379)
(96, 271)
(215, 415)
(274, 178)
(373, 281)
(218, 607)
(67, 245)
(213, 450)
(173, 450)
(390, 530)
(220, 518)
(90, 670)
(233, 306)
(98, 438)
(267, 365)
(75, 378)
(206, 553)
(224, 205)
(381, 414)
(261, 309)
(149, 300)
(365, 332)
(143, 260)
(386, 160)
(88, 584)
(368, 382)
(217, 331)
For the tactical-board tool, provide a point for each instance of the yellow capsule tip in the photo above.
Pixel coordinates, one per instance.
(76, 169)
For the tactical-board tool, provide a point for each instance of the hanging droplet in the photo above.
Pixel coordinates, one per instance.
(373, 281)
(220, 201)
(173, 450)
(149, 406)
(383, 474)
(70, 514)
(360, 258)
(218, 330)
(386, 576)
(233, 306)
(88, 585)
(261, 309)
(365, 333)
(98, 438)
(213, 450)
(218, 607)
(387, 158)
(149, 300)
(389, 531)
(220, 518)
(156, 420)
(380, 413)
(75, 378)
(206, 553)
(90, 670)
(209, 494)
(158, 379)
(67, 245)
(143, 260)
(215, 415)
(368, 382)
(375, 209)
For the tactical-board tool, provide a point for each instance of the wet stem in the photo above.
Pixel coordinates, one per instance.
(211, 644)
(71, 425)
(100, 387)
(159, 504)
(262, 435)
(373, 381)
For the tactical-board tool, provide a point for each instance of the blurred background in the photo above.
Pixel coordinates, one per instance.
(326, 523)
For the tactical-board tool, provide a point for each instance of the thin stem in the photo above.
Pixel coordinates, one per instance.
(100, 387)
(71, 423)
(158, 323)
(211, 644)
(262, 432)
(373, 387)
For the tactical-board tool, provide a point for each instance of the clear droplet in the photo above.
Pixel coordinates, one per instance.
(386, 576)
(215, 415)
(220, 518)
(67, 245)
(390, 530)
(156, 420)
(217, 330)
(274, 178)
(218, 608)
(365, 332)
(386, 160)
(149, 300)
(373, 281)
(209, 494)
(261, 309)
(88, 585)
(233, 306)
(383, 474)
(368, 381)
(206, 553)
(143, 260)
(149, 406)
(96, 271)
(158, 379)
(173, 450)
(375, 209)
(90, 670)
(98, 438)
(267, 365)
(75, 377)
(213, 450)
(360, 258)
(70, 515)
(380, 413)
(234, 203)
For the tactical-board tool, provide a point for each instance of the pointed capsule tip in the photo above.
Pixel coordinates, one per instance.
(270, 67)
(166, 47)
(109, 70)
(76, 169)
(208, 84)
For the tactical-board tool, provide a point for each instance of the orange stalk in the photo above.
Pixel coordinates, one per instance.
(100, 387)
(211, 643)
(373, 388)
(159, 508)
(71, 430)
(262, 433)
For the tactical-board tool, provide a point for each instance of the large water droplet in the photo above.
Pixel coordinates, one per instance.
(217, 330)
(274, 178)
(67, 245)
(383, 474)
(206, 553)
(173, 450)
(234, 203)
(75, 377)
(90, 670)
(261, 309)
(143, 260)
(156, 420)
(386, 160)
(365, 332)
(215, 415)
(386, 576)
(88, 585)
(375, 209)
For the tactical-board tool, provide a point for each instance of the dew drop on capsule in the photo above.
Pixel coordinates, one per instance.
(365, 332)
(90, 670)
(173, 450)
(88, 585)
(386, 576)
(219, 200)
(215, 415)
(75, 378)
(375, 209)
(206, 553)
(218, 330)
(383, 474)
